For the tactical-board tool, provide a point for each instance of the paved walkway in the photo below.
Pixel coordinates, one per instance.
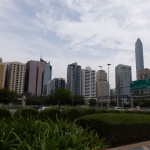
(137, 146)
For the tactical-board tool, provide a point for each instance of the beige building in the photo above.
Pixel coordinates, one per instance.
(102, 85)
(144, 74)
(16, 77)
(2, 74)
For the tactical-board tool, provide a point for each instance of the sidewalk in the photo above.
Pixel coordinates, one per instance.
(138, 146)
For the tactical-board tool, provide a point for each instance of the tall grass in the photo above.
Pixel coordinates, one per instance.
(36, 135)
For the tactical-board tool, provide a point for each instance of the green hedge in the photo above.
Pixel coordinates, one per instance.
(70, 114)
(26, 112)
(120, 128)
(87, 111)
(50, 113)
(5, 113)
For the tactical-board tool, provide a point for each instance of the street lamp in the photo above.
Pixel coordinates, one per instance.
(108, 84)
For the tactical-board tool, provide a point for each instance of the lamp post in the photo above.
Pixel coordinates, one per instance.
(108, 84)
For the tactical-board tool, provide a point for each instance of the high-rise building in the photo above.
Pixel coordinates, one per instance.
(88, 83)
(57, 83)
(123, 79)
(2, 74)
(102, 85)
(144, 74)
(74, 79)
(38, 73)
(139, 56)
(16, 77)
(47, 76)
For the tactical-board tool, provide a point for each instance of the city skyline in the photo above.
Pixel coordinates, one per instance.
(92, 33)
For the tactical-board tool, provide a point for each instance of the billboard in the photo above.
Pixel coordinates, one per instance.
(140, 85)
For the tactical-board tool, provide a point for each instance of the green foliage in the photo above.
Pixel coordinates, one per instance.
(78, 100)
(50, 113)
(26, 112)
(92, 102)
(113, 111)
(70, 114)
(36, 135)
(120, 128)
(63, 96)
(7, 96)
(5, 114)
(50, 100)
(34, 100)
(102, 111)
(87, 111)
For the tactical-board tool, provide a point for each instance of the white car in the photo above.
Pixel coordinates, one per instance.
(42, 108)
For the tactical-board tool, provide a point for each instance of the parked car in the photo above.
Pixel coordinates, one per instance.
(42, 108)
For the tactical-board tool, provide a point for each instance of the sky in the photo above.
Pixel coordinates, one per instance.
(90, 32)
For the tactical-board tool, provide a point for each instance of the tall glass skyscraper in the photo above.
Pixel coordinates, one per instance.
(139, 56)
(74, 79)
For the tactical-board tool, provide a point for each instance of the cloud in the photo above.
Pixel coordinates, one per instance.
(91, 33)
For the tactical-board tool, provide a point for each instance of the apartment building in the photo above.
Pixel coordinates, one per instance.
(16, 77)
(88, 83)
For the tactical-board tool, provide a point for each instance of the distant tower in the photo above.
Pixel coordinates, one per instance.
(123, 79)
(74, 79)
(139, 56)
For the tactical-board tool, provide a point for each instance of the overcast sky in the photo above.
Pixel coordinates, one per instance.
(90, 32)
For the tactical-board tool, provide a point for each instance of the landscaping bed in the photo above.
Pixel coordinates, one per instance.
(118, 129)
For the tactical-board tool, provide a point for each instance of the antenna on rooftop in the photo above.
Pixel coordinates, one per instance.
(41, 54)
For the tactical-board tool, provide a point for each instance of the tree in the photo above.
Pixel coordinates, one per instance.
(78, 100)
(63, 96)
(92, 102)
(7, 96)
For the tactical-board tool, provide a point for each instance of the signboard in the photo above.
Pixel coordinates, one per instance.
(140, 85)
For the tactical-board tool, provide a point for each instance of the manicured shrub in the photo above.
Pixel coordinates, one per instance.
(127, 111)
(38, 135)
(136, 111)
(102, 111)
(118, 129)
(5, 113)
(50, 113)
(113, 111)
(87, 111)
(25, 113)
(70, 114)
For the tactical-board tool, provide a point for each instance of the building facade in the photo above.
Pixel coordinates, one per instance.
(34, 77)
(57, 83)
(16, 76)
(88, 83)
(38, 73)
(144, 74)
(2, 74)
(123, 79)
(74, 79)
(47, 77)
(139, 56)
(102, 85)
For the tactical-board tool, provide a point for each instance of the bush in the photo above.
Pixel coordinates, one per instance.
(118, 129)
(87, 111)
(113, 111)
(102, 111)
(5, 113)
(37, 135)
(50, 113)
(26, 112)
(70, 114)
